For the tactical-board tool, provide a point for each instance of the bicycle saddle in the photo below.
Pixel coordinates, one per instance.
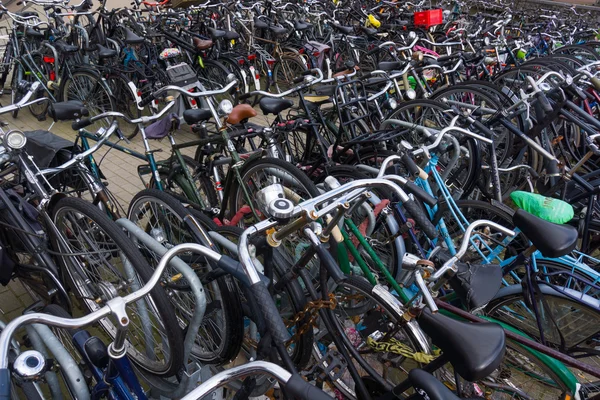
(274, 106)
(200, 44)
(389, 65)
(26, 14)
(369, 31)
(231, 35)
(301, 25)
(192, 117)
(434, 390)
(260, 24)
(240, 113)
(552, 240)
(132, 38)
(105, 52)
(67, 110)
(474, 350)
(346, 30)
(65, 48)
(216, 33)
(33, 33)
(325, 90)
(476, 284)
(278, 30)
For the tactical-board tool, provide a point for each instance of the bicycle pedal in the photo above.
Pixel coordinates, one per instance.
(336, 366)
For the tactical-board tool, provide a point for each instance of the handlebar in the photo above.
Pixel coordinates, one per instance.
(287, 92)
(180, 90)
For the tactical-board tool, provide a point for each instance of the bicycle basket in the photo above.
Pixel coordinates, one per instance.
(182, 75)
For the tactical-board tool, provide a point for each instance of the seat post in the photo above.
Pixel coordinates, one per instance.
(433, 366)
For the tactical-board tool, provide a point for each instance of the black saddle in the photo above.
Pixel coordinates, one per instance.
(132, 38)
(216, 33)
(325, 90)
(260, 24)
(389, 65)
(346, 30)
(105, 52)
(434, 389)
(553, 240)
(369, 31)
(474, 350)
(192, 117)
(301, 25)
(278, 30)
(231, 35)
(67, 110)
(33, 33)
(26, 14)
(476, 284)
(274, 106)
(65, 48)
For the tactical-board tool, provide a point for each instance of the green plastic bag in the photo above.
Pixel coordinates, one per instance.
(552, 210)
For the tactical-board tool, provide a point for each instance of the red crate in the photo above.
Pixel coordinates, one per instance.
(428, 18)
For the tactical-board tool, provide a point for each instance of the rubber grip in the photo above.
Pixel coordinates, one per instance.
(82, 123)
(5, 384)
(544, 103)
(421, 219)
(411, 166)
(147, 101)
(298, 388)
(534, 173)
(298, 80)
(269, 312)
(420, 194)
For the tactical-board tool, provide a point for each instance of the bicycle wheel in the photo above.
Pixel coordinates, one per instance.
(92, 91)
(175, 182)
(125, 102)
(41, 71)
(364, 310)
(15, 93)
(463, 176)
(100, 262)
(285, 70)
(220, 335)
(213, 76)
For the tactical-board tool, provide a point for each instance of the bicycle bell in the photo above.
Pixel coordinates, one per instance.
(272, 201)
(30, 365)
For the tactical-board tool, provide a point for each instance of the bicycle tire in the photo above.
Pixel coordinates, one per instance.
(285, 70)
(221, 295)
(88, 289)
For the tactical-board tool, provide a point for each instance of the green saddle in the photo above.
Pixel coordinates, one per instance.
(552, 210)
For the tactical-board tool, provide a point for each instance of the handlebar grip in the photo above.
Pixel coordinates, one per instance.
(544, 102)
(5, 384)
(245, 96)
(82, 123)
(298, 388)
(420, 194)
(411, 166)
(147, 101)
(534, 173)
(421, 219)
(297, 80)
(269, 311)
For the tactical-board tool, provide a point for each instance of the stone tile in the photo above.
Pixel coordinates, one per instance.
(9, 302)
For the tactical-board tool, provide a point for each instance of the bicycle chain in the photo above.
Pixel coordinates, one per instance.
(311, 308)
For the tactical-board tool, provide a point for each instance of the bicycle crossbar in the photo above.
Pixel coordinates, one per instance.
(565, 359)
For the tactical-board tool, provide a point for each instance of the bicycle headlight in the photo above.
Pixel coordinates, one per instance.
(390, 104)
(225, 107)
(15, 140)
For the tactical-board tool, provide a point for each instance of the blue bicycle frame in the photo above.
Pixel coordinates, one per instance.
(117, 380)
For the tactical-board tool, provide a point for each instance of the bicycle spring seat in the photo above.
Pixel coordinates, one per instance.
(216, 33)
(260, 24)
(389, 65)
(67, 110)
(169, 53)
(476, 284)
(240, 113)
(65, 48)
(552, 240)
(132, 38)
(201, 44)
(346, 30)
(278, 30)
(105, 52)
(33, 33)
(301, 25)
(26, 14)
(231, 35)
(548, 208)
(474, 350)
(274, 106)
(372, 32)
(192, 117)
